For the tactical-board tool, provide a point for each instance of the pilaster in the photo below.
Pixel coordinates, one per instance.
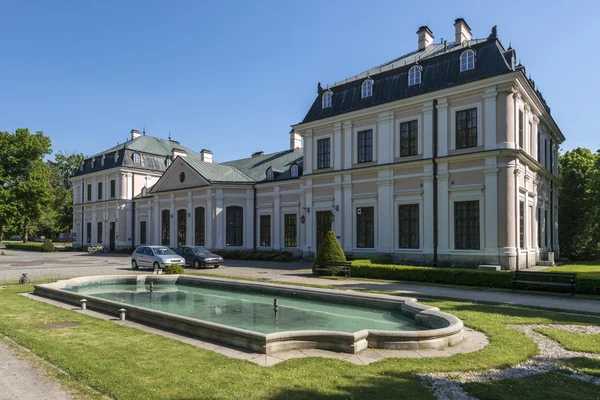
(347, 214)
(443, 209)
(385, 143)
(427, 211)
(491, 206)
(385, 229)
(337, 146)
(249, 219)
(219, 219)
(427, 130)
(347, 126)
(489, 127)
(442, 128)
(308, 152)
(276, 219)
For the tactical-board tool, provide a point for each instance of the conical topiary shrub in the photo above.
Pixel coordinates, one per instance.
(329, 251)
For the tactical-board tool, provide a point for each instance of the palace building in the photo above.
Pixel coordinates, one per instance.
(444, 156)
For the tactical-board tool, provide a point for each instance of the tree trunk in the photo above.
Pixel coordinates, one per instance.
(1, 231)
(25, 231)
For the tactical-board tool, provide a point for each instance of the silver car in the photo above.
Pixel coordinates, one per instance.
(155, 257)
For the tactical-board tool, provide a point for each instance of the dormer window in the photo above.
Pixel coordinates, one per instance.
(102, 160)
(137, 158)
(326, 102)
(168, 162)
(414, 75)
(467, 60)
(367, 88)
(81, 167)
(294, 171)
(92, 162)
(270, 174)
(116, 156)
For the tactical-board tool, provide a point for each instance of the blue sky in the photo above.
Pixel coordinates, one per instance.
(233, 76)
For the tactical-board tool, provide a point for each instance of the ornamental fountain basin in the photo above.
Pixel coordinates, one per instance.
(243, 314)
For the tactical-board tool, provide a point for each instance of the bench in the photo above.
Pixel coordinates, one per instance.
(334, 268)
(529, 278)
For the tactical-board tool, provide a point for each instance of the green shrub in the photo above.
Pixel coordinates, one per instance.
(174, 269)
(461, 277)
(329, 251)
(48, 247)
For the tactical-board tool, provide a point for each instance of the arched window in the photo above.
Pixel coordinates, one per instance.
(116, 156)
(294, 171)
(367, 88)
(326, 102)
(414, 75)
(102, 160)
(137, 158)
(181, 227)
(270, 174)
(165, 224)
(81, 167)
(168, 162)
(199, 223)
(235, 226)
(467, 60)
(92, 162)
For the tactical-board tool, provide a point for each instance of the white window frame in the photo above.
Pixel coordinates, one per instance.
(116, 157)
(316, 152)
(285, 211)
(414, 78)
(259, 214)
(401, 200)
(270, 175)
(102, 160)
(137, 158)
(480, 122)
(366, 88)
(467, 195)
(327, 99)
(355, 131)
(294, 171)
(360, 203)
(399, 122)
(467, 58)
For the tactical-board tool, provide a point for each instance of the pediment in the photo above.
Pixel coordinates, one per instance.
(171, 180)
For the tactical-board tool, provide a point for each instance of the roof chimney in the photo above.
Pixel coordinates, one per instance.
(135, 134)
(462, 31)
(177, 152)
(206, 155)
(295, 140)
(258, 154)
(425, 37)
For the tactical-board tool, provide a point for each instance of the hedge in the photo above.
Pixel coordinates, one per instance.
(330, 251)
(257, 255)
(460, 277)
(31, 246)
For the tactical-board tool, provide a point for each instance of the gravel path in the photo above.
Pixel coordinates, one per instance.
(21, 380)
(448, 386)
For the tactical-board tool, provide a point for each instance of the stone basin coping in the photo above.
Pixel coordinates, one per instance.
(445, 329)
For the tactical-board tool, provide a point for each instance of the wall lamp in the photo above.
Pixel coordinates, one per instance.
(307, 209)
(336, 207)
(303, 218)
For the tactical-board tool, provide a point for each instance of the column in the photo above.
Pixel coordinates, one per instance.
(94, 226)
(172, 221)
(427, 209)
(149, 229)
(491, 206)
(209, 221)
(442, 128)
(443, 209)
(489, 124)
(515, 124)
(117, 223)
(347, 126)
(308, 152)
(189, 227)
(426, 131)
(276, 219)
(310, 217)
(385, 196)
(347, 213)
(220, 219)
(337, 146)
(156, 222)
(337, 201)
(384, 138)
(249, 219)
(128, 227)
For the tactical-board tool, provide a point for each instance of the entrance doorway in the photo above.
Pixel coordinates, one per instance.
(111, 236)
(324, 222)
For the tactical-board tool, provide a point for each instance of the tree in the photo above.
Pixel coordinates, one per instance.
(62, 169)
(579, 205)
(329, 251)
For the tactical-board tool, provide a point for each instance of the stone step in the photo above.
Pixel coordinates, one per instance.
(545, 263)
(486, 267)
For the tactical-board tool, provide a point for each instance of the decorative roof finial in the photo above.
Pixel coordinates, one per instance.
(144, 130)
(494, 34)
(510, 45)
(319, 88)
(169, 134)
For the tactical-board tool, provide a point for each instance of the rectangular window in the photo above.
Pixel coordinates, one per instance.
(265, 230)
(466, 128)
(290, 231)
(323, 154)
(521, 144)
(88, 232)
(522, 224)
(409, 139)
(181, 227)
(235, 226)
(143, 232)
(99, 190)
(113, 185)
(165, 227)
(89, 192)
(466, 225)
(365, 227)
(546, 230)
(365, 146)
(408, 226)
(99, 232)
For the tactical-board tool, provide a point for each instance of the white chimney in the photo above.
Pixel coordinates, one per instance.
(206, 155)
(177, 152)
(135, 134)
(295, 140)
(462, 31)
(425, 37)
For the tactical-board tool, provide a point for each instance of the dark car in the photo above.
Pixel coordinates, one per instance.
(199, 257)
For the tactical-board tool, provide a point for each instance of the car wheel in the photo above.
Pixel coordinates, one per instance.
(156, 265)
(196, 264)
(216, 265)
(134, 264)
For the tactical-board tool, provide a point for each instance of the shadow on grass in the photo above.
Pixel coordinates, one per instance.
(589, 366)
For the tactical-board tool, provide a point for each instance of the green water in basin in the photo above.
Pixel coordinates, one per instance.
(251, 311)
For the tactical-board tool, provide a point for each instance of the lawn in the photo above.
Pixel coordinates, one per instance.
(584, 269)
(574, 341)
(126, 363)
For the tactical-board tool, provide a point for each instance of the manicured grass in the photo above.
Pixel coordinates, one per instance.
(126, 363)
(584, 270)
(547, 386)
(588, 366)
(574, 341)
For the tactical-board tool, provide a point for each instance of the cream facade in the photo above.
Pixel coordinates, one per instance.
(458, 172)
